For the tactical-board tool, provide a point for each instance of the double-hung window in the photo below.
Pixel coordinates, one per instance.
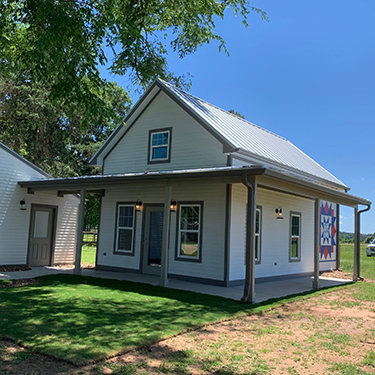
(295, 236)
(189, 232)
(159, 146)
(258, 223)
(125, 229)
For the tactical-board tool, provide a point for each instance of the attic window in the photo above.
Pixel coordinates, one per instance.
(160, 146)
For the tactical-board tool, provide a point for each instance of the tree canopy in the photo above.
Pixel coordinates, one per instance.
(238, 114)
(46, 135)
(61, 42)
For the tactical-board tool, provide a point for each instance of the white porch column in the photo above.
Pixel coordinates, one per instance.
(357, 246)
(316, 245)
(81, 212)
(165, 242)
(249, 289)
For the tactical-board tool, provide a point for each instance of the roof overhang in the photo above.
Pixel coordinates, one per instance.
(101, 181)
(268, 178)
(285, 183)
(292, 171)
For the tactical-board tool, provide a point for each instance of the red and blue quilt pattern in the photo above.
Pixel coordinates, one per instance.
(328, 218)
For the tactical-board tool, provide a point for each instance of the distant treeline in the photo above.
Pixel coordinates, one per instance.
(346, 237)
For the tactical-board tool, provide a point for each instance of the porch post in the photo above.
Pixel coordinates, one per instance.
(357, 245)
(316, 245)
(165, 242)
(337, 236)
(249, 289)
(77, 267)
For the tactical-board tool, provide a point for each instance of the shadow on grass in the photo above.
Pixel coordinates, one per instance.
(83, 319)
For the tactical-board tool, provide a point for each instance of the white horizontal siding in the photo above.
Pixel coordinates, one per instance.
(14, 223)
(328, 266)
(274, 235)
(191, 145)
(213, 235)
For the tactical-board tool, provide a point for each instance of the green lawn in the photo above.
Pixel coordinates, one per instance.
(82, 318)
(347, 260)
(88, 254)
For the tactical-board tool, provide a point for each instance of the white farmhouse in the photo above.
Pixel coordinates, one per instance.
(192, 192)
(36, 229)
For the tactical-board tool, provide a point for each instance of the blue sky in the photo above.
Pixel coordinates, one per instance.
(307, 75)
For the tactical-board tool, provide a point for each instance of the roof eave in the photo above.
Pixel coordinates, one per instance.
(100, 180)
(292, 170)
(350, 199)
(25, 161)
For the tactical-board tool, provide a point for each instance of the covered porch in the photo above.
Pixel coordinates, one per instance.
(252, 177)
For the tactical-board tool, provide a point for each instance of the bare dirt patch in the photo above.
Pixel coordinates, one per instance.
(14, 268)
(20, 282)
(304, 337)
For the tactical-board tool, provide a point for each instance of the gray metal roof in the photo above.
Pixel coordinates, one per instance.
(238, 136)
(19, 157)
(252, 140)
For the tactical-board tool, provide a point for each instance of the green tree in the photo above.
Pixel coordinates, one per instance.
(236, 113)
(61, 43)
(369, 239)
(44, 134)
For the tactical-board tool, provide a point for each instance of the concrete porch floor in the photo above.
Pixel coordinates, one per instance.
(264, 290)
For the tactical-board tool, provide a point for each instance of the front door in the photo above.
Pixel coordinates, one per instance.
(153, 238)
(40, 236)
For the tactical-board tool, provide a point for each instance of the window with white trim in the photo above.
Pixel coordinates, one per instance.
(295, 237)
(258, 223)
(258, 240)
(160, 145)
(189, 232)
(125, 228)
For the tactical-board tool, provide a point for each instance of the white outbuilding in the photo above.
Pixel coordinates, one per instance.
(36, 229)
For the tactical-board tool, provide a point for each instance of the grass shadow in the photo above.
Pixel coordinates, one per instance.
(83, 319)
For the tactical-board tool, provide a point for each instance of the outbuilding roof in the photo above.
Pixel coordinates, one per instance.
(23, 160)
(238, 136)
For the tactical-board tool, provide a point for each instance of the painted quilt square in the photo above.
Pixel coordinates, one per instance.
(328, 225)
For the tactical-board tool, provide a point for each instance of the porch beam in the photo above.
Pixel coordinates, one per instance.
(316, 244)
(249, 289)
(81, 212)
(165, 241)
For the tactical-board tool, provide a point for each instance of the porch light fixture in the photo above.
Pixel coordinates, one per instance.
(22, 204)
(173, 205)
(138, 205)
(279, 213)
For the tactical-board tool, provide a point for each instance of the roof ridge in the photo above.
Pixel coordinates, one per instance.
(223, 110)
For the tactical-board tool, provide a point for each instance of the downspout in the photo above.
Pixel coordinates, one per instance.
(357, 244)
(249, 288)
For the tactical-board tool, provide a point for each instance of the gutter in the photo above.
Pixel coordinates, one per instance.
(357, 244)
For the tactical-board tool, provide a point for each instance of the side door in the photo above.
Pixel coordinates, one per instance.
(41, 235)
